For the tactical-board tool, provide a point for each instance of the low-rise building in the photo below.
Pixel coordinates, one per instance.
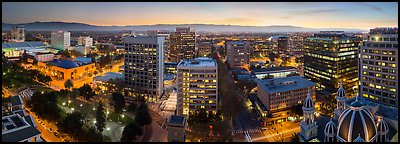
(274, 72)
(103, 82)
(278, 95)
(16, 128)
(176, 128)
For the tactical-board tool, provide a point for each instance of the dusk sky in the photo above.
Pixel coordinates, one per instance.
(310, 15)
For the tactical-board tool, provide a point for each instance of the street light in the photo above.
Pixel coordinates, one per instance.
(63, 103)
(80, 105)
(94, 121)
(108, 129)
(94, 108)
(72, 109)
(69, 101)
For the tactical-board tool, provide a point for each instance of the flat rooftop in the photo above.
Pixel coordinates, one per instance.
(23, 124)
(238, 42)
(108, 76)
(284, 84)
(198, 62)
(273, 69)
(174, 119)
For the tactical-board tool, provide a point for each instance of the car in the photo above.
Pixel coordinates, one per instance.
(51, 130)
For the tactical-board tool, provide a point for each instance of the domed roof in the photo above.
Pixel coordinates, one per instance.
(340, 92)
(382, 126)
(359, 139)
(330, 128)
(308, 103)
(67, 64)
(356, 120)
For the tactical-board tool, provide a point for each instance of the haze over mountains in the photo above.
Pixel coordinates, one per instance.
(49, 26)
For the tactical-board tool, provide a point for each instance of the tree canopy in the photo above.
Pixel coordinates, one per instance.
(86, 91)
(142, 115)
(119, 101)
(100, 118)
(131, 131)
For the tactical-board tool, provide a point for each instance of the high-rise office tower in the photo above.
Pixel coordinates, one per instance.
(164, 34)
(60, 40)
(182, 44)
(144, 66)
(197, 85)
(378, 63)
(18, 34)
(238, 54)
(329, 59)
(283, 44)
(85, 41)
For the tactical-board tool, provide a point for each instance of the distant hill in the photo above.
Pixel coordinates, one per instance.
(49, 26)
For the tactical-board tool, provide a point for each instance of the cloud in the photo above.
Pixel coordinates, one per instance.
(373, 7)
(310, 12)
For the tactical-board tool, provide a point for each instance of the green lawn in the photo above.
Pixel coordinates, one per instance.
(114, 117)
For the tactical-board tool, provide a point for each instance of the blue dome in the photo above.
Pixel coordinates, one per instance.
(67, 64)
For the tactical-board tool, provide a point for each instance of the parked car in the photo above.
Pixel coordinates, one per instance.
(56, 134)
(51, 130)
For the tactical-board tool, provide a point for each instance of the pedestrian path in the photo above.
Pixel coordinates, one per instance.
(27, 93)
(243, 131)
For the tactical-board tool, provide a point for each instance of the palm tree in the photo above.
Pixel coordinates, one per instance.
(68, 85)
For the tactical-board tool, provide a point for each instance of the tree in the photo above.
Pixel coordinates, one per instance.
(142, 115)
(295, 138)
(44, 105)
(72, 124)
(131, 131)
(132, 107)
(100, 118)
(86, 91)
(65, 53)
(119, 101)
(68, 84)
(222, 131)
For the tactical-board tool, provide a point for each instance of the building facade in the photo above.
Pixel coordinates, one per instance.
(238, 54)
(166, 35)
(204, 48)
(60, 40)
(378, 66)
(182, 44)
(144, 66)
(17, 34)
(331, 58)
(85, 41)
(176, 128)
(197, 85)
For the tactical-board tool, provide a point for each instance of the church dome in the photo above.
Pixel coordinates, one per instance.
(359, 139)
(382, 126)
(330, 128)
(356, 121)
(308, 103)
(341, 92)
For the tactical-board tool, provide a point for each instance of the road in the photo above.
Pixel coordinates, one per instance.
(275, 132)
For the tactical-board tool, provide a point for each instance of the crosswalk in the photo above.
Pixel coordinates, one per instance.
(249, 131)
(25, 93)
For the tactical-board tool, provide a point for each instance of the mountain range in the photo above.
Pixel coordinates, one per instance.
(71, 26)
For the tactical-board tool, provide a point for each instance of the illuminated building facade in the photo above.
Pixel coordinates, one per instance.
(378, 66)
(182, 44)
(331, 58)
(197, 85)
(166, 35)
(18, 34)
(60, 40)
(204, 48)
(85, 41)
(238, 54)
(144, 66)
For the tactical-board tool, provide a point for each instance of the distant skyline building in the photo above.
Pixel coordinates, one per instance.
(144, 66)
(60, 40)
(378, 66)
(18, 34)
(182, 44)
(85, 41)
(204, 48)
(197, 85)
(331, 58)
(238, 54)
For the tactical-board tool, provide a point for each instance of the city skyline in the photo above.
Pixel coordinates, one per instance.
(350, 15)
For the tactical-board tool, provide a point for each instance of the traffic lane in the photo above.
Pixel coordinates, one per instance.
(44, 130)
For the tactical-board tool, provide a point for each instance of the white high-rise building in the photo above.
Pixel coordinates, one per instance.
(378, 67)
(60, 40)
(144, 66)
(18, 34)
(197, 85)
(85, 41)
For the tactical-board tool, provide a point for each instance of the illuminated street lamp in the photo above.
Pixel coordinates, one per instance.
(80, 105)
(69, 101)
(63, 103)
(72, 109)
(94, 108)
(94, 121)
(108, 129)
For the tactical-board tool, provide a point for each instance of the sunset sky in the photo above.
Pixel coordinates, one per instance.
(310, 15)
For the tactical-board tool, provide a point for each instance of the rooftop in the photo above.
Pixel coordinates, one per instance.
(238, 42)
(199, 62)
(23, 44)
(25, 130)
(174, 119)
(284, 84)
(254, 70)
(15, 100)
(108, 76)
